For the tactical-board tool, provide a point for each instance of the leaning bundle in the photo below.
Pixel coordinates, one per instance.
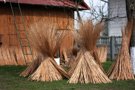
(48, 70)
(86, 69)
(102, 53)
(32, 67)
(89, 35)
(45, 42)
(121, 68)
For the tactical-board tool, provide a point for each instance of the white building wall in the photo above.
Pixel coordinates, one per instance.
(117, 17)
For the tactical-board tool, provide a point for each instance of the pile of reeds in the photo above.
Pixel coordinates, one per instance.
(87, 68)
(89, 35)
(45, 41)
(102, 53)
(121, 68)
(12, 56)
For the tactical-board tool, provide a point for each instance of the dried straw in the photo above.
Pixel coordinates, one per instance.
(89, 35)
(48, 71)
(86, 69)
(32, 67)
(102, 53)
(121, 68)
(45, 41)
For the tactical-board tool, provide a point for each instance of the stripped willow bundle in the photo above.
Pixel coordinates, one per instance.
(89, 35)
(102, 53)
(121, 69)
(32, 67)
(86, 69)
(45, 41)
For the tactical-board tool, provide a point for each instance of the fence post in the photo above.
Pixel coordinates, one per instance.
(112, 47)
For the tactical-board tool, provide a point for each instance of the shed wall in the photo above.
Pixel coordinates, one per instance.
(10, 50)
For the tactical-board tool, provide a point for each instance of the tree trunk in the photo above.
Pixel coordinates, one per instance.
(131, 14)
(133, 35)
(132, 47)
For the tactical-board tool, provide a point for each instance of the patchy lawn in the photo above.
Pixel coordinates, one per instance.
(10, 80)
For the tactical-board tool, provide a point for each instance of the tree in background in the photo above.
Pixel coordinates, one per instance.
(98, 12)
(131, 15)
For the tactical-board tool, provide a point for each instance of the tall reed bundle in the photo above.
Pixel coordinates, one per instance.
(121, 69)
(11, 56)
(46, 42)
(32, 67)
(102, 53)
(89, 35)
(86, 69)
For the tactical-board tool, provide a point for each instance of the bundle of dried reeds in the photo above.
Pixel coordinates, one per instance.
(46, 42)
(89, 34)
(102, 53)
(121, 68)
(11, 56)
(32, 67)
(86, 69)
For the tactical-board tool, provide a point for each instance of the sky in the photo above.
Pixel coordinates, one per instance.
(93, 4)
(86, 14)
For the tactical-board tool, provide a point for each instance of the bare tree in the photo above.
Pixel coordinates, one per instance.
(99, 11)
(131, 15)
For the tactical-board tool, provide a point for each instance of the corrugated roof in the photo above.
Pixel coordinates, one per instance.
(57, 3)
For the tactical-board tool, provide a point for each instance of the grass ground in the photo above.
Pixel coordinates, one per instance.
(10, 80)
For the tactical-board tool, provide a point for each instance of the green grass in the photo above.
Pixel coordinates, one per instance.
(10, 80)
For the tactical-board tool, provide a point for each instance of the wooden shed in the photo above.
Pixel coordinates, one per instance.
(16, 16)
